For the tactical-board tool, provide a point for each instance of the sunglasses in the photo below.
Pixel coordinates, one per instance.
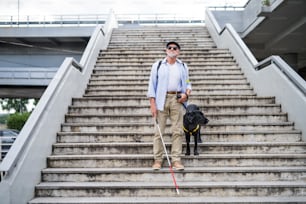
(172, 48)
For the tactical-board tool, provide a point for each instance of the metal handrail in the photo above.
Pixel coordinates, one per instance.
(52, 20)
(95, 19)
(226, 8)
(77, 65)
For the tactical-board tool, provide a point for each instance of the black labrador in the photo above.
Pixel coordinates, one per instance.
(192, 121)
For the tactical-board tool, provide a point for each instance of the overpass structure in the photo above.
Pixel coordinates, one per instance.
(30, 56)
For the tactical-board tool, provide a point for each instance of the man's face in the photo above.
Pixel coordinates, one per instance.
(172, 51)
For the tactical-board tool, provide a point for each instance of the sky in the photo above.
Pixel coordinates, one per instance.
(72, 7)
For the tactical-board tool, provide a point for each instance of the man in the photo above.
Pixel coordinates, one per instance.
(169, 87)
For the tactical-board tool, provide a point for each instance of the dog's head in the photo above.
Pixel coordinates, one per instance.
(194, 115)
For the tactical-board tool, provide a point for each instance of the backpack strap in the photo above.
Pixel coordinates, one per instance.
(158, 66)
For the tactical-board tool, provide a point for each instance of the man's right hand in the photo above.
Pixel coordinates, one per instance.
(153, 107)
(153, 110)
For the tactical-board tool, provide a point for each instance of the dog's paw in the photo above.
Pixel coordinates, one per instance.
(187, 153)
(196, 153)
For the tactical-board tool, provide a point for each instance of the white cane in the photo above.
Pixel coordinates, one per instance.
(170, 166)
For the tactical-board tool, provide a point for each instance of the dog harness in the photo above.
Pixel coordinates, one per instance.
(193, 131)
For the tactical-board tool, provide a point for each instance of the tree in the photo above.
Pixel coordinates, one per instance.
(19, 105)
(17, 120)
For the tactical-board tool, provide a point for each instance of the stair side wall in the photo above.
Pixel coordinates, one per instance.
(266, 82)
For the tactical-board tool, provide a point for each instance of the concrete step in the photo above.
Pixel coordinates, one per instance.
(185, 42)
(165, 188)
(142, 92)
(154, 58)
(207, 109)
(181, 33)
(161, 35)
(146, 160)
(207, 136)
(160, 38)
(192, 71)
(207, 174)
(148, 64)
(208, 78)
(155, 40)
(171, 30)
(158, 54)
(119, 37)
(160, 46)
(170, 200)
(239, 84)
(107, 86)
(164, 36)
(160, 51)
(184, 34)
(202, 101)
(149, 127)
(186, 52)
(161, 29)
(147, 117)
(233, 84)
(121, 72)
(210, 68)
(118, 79)
(150, 38)
(203, 148)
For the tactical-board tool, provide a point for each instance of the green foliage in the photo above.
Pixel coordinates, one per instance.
(17, 104)
(266, 2)
(3, 118)
(17, 120)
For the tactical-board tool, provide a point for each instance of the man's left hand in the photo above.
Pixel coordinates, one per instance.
(184, 98)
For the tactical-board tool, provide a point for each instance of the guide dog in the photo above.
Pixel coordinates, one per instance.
(192, 121)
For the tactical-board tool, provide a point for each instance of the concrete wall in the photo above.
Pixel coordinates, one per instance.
(233, 17)
(250, 13)
(270, 81)
(240, 20)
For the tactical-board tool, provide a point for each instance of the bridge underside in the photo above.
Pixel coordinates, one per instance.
(21, 91)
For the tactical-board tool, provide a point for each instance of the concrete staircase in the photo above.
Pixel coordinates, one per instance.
(251, 153)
